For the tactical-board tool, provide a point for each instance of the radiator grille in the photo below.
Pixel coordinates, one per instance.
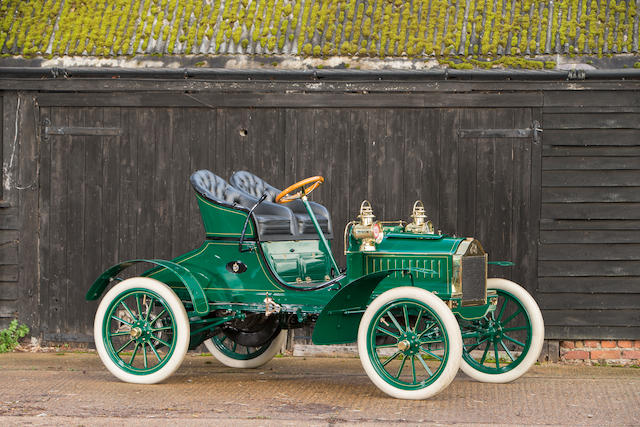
(474, 280)
(439, 265)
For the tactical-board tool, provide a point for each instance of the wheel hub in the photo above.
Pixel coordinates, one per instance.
(135, 333)
(409, 344)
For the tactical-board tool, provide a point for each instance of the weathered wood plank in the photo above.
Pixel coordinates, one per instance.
(592, 121)
(591, 137)
(586, 163)
(10, 309)
(8, 291)
(575, 211)
(595, 285)
(591, 332)
(584, 301)
(590, 236)
(9, 254)
(230, 99)
(590, 194)
(614, 178)
(615, 317)
(593, 252)
(586, 224)
(587, 99)
(9, 236)
(27, 184)
(588, 268)
(593, 151)
(8, 273)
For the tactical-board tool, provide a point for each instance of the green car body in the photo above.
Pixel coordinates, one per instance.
(288, 271)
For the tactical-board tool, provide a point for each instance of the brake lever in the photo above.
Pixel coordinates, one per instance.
(246, 222)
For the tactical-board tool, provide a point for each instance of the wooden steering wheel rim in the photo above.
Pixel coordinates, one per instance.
(284, 196)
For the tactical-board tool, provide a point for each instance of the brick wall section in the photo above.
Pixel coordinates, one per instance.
(608, 352)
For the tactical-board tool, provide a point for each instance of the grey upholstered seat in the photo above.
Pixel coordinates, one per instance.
(255, 186)
(271, 219)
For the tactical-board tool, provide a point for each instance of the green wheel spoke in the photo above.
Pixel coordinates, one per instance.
(486, 351)
(404, 360)
(224, 338)
(418, 320)
(396, 354)
(144, 354)
(161, 341)
(475, 345)
(468, 335)
(119, 334)
(495, 352)
(155, 351)
(138, 305)
(515, 341)
(504, 304)
(507, 351)
(426, 330)
(235, 345)
(413, 368)
(430, 353)
(384, 331)
(406, 318)
(431, 341)
(121, 320)
(133, 356)
(395, 322)
(510, 318)
(386, 346)
(424, 365)
(146, 316)
(517, 328)
(164, 328)
(155, 319)
(133, 316)
(124, 346)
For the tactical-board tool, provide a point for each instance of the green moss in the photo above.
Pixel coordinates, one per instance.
(636, 65)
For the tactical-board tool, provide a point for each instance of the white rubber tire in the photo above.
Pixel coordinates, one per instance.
(537, 335)
(257, 361)
(451, 328)
(182, 330)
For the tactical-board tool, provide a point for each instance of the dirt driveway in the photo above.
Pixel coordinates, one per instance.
(75, 389)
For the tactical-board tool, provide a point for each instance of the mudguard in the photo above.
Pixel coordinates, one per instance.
(339, 320)
(198, 297)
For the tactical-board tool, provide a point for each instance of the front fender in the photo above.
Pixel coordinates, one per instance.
(198, 297)
(339, 320)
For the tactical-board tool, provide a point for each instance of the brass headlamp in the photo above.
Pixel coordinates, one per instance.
(420, 223)
(368, 231)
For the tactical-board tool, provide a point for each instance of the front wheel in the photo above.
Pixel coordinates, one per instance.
(504, 344)
(141, 331)
(409, 343)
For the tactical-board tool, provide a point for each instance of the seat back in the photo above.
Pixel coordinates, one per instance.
(211, 186)
(254, 185)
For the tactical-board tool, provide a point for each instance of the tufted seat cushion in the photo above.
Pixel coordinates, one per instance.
(271, 219)
(255, 186)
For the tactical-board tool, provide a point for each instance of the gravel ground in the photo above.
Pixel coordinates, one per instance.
(75, 389)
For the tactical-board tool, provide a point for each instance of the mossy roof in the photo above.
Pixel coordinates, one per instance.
(360, 28)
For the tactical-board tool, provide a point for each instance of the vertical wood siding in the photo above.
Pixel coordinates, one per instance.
(109, 198)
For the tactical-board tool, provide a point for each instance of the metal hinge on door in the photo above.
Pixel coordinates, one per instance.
(47, 130)
(534, 131)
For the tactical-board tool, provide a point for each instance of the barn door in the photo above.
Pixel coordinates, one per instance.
(498, 190)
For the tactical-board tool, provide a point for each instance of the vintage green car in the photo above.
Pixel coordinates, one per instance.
(417, 302)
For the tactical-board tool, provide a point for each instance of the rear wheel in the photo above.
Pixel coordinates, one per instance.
(503, 345)
(141, 331)
(235, 355)
(409, 343)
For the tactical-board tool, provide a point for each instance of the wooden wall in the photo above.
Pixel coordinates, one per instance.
(561, 207)
(589, 258)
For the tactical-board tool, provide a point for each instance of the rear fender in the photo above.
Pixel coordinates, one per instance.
(198, 297)
(339, 320)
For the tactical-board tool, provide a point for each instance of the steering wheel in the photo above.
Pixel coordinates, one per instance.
(307, 185)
